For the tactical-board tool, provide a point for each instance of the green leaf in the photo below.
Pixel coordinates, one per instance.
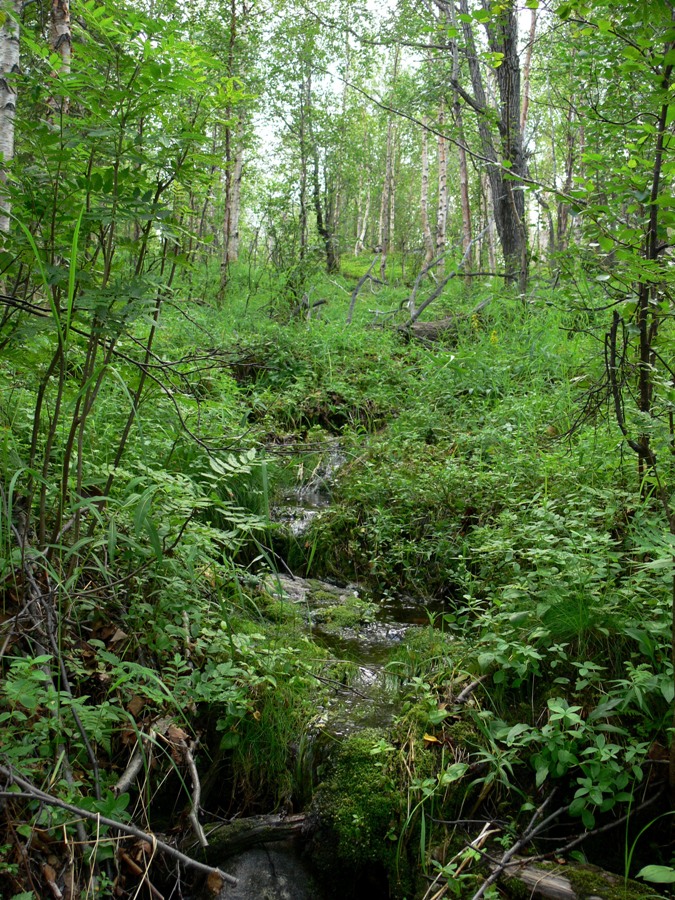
(657, 874)
(588, 819)
(229, 740)
(453, 773)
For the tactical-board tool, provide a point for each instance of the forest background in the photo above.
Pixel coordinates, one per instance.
(236, 236)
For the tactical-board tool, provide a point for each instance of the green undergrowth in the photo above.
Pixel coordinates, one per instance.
(467, 478)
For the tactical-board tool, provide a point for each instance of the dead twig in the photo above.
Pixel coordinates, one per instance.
(30, 791)
(140, 872)
(414, 316)
(464, 695)
(355, 293)
(530, 832)
(196, 793)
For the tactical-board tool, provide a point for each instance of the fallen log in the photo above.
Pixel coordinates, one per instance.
(440, 329)
(573, 881)
(234, 837)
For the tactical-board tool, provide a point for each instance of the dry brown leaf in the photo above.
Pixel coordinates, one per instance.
(135, 705)
(119, 636)
(176, 734)
(214, 883)
(48, 872)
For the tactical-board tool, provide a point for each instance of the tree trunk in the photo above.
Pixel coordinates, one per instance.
(303, 172)
(490, 222)
(442, 216)
(507, 194)
(424, 198)
(233, 176)
(362, 224)
(60, 39)
(524, 109)
(383, 232)
(242, 834)
(9, 65)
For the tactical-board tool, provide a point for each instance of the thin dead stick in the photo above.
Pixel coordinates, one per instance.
(138, 757)
(355, 293)
(137, 870)
(410, 302)
(476, 844)
(464, 695)
(196, 793)
(528, 835)
(603, 828)
(131, 772)
(30, 791)
(441, 287)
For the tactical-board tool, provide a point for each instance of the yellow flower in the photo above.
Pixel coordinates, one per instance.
(493, 338)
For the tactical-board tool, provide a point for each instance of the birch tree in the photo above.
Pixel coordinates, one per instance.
(9, 69)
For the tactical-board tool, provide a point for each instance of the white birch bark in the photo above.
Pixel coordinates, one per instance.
(60, 39)
(383, 232)
(362, 225)
(442, 218)
(424, 198)
(9, 65)
(467, 231)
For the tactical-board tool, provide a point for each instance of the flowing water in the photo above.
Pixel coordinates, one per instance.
(370, 697)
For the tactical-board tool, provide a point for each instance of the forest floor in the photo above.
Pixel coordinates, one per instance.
(466, 483)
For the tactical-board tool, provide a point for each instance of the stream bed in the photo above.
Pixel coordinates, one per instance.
(355, 627)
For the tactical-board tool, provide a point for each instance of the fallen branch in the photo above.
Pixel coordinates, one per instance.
(30, 791)
(464, 695)
(410, 302)
(355, 293)
(528, 835)
(441, 328)
(554, 885)
(138, 758)
(414, 316)
(196, 793)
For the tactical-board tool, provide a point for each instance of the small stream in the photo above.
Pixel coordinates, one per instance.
(369, 700)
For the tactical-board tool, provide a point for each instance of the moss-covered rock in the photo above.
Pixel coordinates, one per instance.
(359, 810)
(350, 612)
(360, 802)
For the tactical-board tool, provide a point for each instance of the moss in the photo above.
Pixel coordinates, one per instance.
(359, 802)
(515, 889)
(590, 881)
(351, 612)
(280, 611)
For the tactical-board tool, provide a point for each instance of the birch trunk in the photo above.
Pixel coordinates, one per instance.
(9, 65)
(442, 217)
(60, 39)
(392, 193)
(424, 198)
(490, 219)
(386, 215)
(383, 232)
(233, 176)
(467, 236)
(303, 172)
(362, 225)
